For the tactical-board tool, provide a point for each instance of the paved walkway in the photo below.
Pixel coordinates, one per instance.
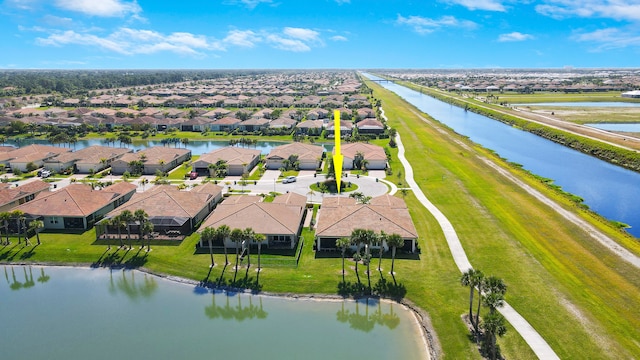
(528, 333)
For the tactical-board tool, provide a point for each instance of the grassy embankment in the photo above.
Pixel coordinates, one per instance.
(552, 268)
(577, 294)
(622, 157)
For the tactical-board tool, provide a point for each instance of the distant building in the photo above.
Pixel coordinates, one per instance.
(635, 94)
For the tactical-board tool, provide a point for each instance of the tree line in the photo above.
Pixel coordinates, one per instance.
(73, 82)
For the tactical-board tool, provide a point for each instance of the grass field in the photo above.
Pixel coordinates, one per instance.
(581, 298)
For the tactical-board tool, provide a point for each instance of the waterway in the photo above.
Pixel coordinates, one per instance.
(609, 190)
(584, 104)
(622, 127)
(77, 313)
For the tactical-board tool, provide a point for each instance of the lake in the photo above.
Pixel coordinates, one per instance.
(610, 190)
(197, 147)
(78, 313)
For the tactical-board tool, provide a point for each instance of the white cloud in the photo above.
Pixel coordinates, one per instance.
(302, 34)
(287, 44)
(23, 4)
(246, 38)
(128, 41)
(53, 20)
(104, 8)
(339, 38)
(514, 36)
(610, 38)
(423, 25)
(610, 9)
(489, 5)
(250, 4)
(289, 39)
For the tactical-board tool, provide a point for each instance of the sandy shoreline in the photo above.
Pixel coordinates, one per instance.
(430, 342)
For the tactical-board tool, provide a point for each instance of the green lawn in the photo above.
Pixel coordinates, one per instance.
(553, 269)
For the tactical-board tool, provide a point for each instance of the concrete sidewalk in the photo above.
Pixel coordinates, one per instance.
(539, 346)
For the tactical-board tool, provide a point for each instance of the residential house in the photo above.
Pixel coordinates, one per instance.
(36, 154)
(152, 159)
(346, 128)
(310, 127)
(376, 158)
(282, 123)
(77, 206)
(238, 160)
(93, 158)
(308, 156)
(340, 216)
(227, 123)
(253, 124)
(171, 211)
(197, 124)
(279, 221)
(370, 126)
(12, 196)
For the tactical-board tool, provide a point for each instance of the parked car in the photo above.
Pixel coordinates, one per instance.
(289, 179)
(193, 175)
(44, 173)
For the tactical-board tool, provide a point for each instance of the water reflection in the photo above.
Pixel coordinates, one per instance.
(127, 284)
(363, 320)
(238, 312)
(28, 282)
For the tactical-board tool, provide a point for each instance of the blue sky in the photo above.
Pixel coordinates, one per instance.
(311, 34)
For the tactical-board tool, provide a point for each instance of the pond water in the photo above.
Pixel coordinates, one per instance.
(626, 127)
(584, 104)
(610, 190)
(197, 147)
(77, 313)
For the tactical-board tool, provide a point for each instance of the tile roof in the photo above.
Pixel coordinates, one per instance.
(10, 193)
(278, 217)
(169, 201)
(231, 155)
(304, 151)
(340, 220)
(75, 200)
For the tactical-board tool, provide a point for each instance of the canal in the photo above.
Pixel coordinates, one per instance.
(609, 190)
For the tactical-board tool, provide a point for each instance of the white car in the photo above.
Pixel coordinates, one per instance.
(289, 179)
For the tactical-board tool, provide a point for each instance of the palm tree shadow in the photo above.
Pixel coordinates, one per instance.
(29, 253)
(221, 278)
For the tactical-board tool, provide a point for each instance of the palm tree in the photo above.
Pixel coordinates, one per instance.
(380, 242)
(247, 236)
(493, 290)
(343, 244)
(117, 222)
(259, 238)
(18, 215)
(126, 216)
(37, 226)
(493, 324)
(222, 233)
(5, 217)
(147, 228)
(236, 237)
(364, 237)
(473, 279)
(141, 217)
(395, 241)
(208, 234)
